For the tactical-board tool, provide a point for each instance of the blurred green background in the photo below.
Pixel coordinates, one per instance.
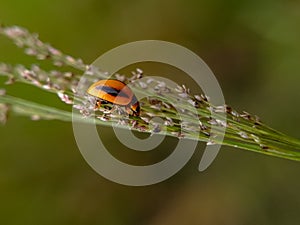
(253, 47)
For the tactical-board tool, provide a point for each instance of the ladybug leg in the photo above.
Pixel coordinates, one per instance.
(135, 109)
(132, 110)
(97, 104)
(106, 109)
(135, 113)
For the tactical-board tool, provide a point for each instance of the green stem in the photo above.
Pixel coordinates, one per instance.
(279, 149)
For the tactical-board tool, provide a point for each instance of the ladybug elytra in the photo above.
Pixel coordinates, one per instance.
(115, 92)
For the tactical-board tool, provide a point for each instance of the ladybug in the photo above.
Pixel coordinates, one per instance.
(115, 92)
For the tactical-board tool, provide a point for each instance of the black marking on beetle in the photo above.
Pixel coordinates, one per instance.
(112, 91)
(134, 100)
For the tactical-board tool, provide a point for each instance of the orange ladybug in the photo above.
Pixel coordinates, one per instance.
(115, 92)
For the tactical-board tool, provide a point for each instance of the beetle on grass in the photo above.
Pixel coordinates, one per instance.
(115, 92)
